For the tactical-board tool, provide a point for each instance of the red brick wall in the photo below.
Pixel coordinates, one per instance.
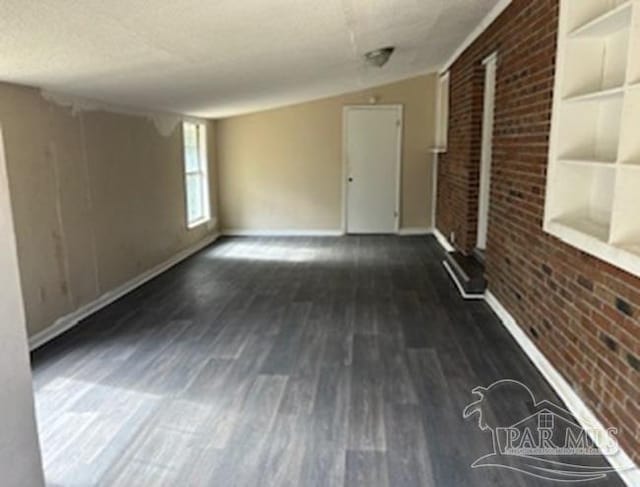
(582, 313)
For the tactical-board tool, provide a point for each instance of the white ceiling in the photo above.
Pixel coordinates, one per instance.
(217, 58)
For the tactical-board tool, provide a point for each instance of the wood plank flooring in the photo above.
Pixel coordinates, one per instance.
(281, 362)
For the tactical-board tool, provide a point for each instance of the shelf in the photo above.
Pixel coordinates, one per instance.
(607, 23)
(582, 226)
(597, 95)
(590, 237)
(631, 248)
(593, 177)
(588, 163)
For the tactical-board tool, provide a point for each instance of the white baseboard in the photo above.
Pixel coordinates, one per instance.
(443, 241)
(627, 470)
(313, 233)
(69, 321)
(281, 233)
(461, 290)
(408, 231)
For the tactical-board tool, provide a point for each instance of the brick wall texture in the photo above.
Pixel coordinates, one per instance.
(582, 313)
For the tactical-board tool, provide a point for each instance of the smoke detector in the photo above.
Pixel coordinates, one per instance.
(379, 57)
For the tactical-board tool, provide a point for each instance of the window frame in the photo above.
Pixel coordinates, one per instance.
(202, 173)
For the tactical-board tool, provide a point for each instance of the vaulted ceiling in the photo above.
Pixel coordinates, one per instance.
(217, 58)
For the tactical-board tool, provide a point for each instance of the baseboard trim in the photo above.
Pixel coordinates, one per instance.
(444, 243)
(410, 231)
(281, 233)
(627, 470)
(230, 232)
(455, 280)
(67, 322)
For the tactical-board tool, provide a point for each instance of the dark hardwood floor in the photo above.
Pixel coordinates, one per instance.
(282, 362)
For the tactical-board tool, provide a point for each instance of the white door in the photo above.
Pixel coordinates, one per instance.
(373, 136)
(485, 158)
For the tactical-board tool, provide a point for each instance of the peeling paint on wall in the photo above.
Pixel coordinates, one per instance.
(165, 123)
(98, 197)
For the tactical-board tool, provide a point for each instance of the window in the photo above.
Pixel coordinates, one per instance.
(196, 177)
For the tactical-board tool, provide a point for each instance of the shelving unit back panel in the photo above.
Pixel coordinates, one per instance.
(616, 49)
(583, 192)
(625, 228)
(633, 71)
(590, 130)
(601, 196)
(630, 129)
(606, 68)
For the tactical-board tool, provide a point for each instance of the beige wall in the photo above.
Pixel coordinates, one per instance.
(20, 461)
(282, 169)
(98, 199)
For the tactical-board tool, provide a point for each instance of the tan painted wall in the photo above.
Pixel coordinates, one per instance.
(98, 199)
(282, 169)
(20, 459)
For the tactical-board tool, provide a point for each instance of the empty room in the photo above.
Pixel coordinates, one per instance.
(339, 243)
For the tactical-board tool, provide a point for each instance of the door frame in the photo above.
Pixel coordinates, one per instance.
(486, 154)
(345, 163)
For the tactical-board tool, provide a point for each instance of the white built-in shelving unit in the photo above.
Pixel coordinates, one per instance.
(593, 181)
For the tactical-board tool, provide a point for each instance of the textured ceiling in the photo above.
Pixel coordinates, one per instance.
(217, 58)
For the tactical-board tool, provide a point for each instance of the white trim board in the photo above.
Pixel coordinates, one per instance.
(488, 112)
(407, 231)
(454, 278)
(628, 472)
(444, 243)
(67, 322)
(435, 162)
(477, 32)
(281, 233)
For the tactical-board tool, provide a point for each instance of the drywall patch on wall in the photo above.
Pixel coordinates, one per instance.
(165, 123)
(60, 237)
